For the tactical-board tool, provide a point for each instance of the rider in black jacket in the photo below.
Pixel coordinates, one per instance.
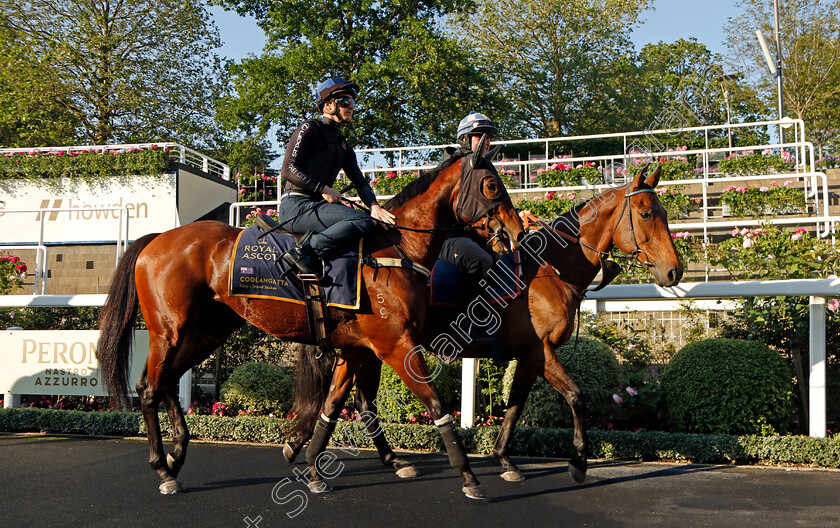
(315, 154)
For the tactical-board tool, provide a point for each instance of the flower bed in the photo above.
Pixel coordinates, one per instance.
(256, 187)
(774, 199)
(12, 273)
(391, 183)
(86, 164)
(749, 162)
(550, 205)
(568, 175)
(676, 204)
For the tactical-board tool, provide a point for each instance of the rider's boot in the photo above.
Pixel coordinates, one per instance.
(303, 258)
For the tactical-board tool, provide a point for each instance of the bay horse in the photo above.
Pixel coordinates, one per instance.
(180, 281)
(562, 261)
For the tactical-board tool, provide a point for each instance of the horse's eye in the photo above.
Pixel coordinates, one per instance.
(645, 214)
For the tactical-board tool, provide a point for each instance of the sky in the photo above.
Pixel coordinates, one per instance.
(671, 20)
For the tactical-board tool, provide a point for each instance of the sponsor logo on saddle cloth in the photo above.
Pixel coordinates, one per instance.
(256, 268)
(448, 284)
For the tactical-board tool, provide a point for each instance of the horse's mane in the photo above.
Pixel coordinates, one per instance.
(420, 185)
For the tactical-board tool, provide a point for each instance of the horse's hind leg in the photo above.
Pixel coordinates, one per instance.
(180, 433)
(150, 398)
(367, 384)
(342, 382)
(556, 375)
(523, 380)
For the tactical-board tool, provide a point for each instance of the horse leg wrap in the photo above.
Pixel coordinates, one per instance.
(320, 439)
(454, 448)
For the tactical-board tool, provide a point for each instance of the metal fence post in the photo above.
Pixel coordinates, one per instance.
(468, 392)
(816, 379)
(185, 389)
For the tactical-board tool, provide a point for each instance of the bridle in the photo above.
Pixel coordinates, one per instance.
(632, 257)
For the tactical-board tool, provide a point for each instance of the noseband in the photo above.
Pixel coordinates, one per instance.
(637, 250)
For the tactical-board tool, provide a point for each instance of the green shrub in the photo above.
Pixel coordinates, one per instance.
(727, 386)
(526, 441)
(396, 403)
(261, 387)
(593, 366)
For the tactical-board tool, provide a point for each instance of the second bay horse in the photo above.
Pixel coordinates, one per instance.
(563, 260)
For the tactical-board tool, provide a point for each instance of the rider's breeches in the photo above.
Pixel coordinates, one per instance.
(337, 227)
(467, 255)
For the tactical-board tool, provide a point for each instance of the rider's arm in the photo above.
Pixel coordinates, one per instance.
(297, 151)
(363, 188)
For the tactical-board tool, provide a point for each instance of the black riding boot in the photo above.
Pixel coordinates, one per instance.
(303, 258)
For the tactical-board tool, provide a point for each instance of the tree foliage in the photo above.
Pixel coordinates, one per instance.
(810, 40)
(416, 83)
(563, 67)
(128, 70)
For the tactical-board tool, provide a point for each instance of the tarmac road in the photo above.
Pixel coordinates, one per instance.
(61, 481)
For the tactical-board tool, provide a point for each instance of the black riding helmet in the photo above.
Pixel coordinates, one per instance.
(332, 87)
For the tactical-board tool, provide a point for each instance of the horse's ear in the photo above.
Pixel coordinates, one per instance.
(637, 182)
(492, 154)
(476, 155)
(653, 179)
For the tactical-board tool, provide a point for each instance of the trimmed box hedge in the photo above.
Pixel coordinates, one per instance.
(526, 441)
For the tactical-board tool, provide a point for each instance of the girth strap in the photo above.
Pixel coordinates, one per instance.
(387, 262)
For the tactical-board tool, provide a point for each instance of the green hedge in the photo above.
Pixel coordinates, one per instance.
(84, 165)
(526, 441)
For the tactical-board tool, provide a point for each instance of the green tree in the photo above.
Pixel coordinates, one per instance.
(28, 113)
(128, 70)
(681, 85)
(810, 59)
(563, 67)
(416, 83)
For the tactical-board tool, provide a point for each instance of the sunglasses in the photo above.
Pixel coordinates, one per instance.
(344, 102)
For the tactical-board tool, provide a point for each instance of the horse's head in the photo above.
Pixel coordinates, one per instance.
(484, 202)
(642, 230)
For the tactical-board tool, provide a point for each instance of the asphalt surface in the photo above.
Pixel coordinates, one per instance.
(57, 481)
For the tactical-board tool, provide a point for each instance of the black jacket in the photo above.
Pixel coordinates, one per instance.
(315, 154)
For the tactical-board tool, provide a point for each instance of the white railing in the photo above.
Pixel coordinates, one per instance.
(817, 289)
(184, 155)
(628, 140)
(122, 217)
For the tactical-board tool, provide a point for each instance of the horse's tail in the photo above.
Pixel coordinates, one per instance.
(312, 383)
(116, 323)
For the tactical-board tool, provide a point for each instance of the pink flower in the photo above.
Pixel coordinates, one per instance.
(801, 231)
(748, 243)
(745, 232)
(617, 399)
(788, 183)
(773, 183)
(735, 232)
(832, 276)
(833, 305)
(21, 268)
(795, 236)
(631, 391)
(763, 189)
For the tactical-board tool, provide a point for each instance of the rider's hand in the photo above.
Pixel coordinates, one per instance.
(331, 195)
(528, 219)
(379, 213)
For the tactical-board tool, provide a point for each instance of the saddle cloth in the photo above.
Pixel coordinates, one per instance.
(449, 286)
(256, 267)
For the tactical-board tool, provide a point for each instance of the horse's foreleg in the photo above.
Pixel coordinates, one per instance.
(180, 433)
(523, 380)
(342, 382)
(367, 384)
(556, 375)
(412, 369)
(149, 401)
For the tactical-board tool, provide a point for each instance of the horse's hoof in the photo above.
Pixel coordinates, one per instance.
(170, 487)
(289, 453)
(474, 492)
(319, 486)
(407, 472)
(577, 469)
(513, 475)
